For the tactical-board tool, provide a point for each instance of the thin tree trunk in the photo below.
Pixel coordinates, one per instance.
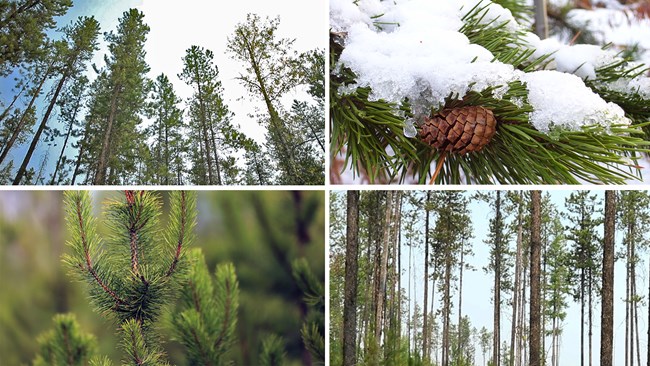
(100, 175)
(496, 357)
(13, 101)
(350, 301)
(41, 128)
(607, 313)
(23, 118)
(590, 318)
(535, 249)
(216, 156)
(425, 327)
(383, 269)
(460, 300)
(515, 302)
(67, 136)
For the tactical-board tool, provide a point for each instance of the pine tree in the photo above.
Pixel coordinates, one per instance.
(585, 258)
(76, 49)
(70, 103)
(210, 118)
(633, 215)
(166, 131)
(23, 24)
(121, 98)
(271, 69)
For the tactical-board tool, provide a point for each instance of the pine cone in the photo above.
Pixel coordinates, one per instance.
(460, 130)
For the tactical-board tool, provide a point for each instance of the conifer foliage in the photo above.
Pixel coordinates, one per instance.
(138, 269)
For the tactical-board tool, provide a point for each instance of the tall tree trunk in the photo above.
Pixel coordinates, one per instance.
(350, 301)
(383, 269)
(590, 317)
(582, 315)
(65, 141)
(535, 249)
(496, 357)
(607, 312)
(447, 309)
(515, 302)
(460, 300)
(216, 156)
(41, 128)
(425, 326)
(23, 118)
(100, 175)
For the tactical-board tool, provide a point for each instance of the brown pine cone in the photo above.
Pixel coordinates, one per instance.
(460, 130)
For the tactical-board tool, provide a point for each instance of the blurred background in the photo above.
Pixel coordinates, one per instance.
(232, 226)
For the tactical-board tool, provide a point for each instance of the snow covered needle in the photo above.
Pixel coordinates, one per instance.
(138, 268)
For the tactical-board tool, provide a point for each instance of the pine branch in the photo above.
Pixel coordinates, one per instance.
(273, 353)
(207, 320)
(139, 351)
(372, 132)
(313, 329)
(66, 344)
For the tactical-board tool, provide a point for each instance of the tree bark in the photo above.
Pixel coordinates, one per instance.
(425, 327)
(100, 175)
(41, 127)
(535, 267)
(607, 313)
(496, 356)
(351, 268)
(383, 269)
(515, 302)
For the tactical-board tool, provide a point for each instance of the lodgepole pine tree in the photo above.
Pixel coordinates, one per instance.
(582, 212)
(122, 98)
(66, 344)
(70, 103)
(208, 112)
(166, 130)
(633, 217)
(23, 24)
(272, 69)
(77, 47)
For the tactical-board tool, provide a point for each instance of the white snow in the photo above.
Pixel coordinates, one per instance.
(425, 58)
(562, 100)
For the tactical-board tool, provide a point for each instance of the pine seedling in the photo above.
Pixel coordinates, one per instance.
(65, 344)
(273, 353)
(313, 329)
(138, 269)
(207, 320)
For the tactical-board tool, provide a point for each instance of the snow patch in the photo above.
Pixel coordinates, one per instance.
(562, 101)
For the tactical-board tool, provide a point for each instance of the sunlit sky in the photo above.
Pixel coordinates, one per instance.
(478, 286)
(175, 26)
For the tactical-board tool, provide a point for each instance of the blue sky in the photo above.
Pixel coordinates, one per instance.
(175, 26)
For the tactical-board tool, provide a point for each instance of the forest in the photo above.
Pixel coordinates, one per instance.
(489, 278)
(65, 119)
(257, 273)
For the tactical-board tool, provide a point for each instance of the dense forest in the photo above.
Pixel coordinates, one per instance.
(272, 241)
(489, 278)
(65, 120)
